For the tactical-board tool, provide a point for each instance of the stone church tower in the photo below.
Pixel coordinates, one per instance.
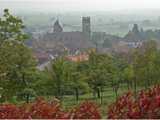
(57, 27)
(86, 27)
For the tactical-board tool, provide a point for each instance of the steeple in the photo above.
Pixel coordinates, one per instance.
(57, 27)
(86, 26)
(135, 29)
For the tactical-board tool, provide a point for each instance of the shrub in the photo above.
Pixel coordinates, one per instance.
(40, 109)
(86, 110)
(9, 111)
(146, 105)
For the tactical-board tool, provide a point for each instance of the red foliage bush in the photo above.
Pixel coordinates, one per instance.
(8, 111)
(146, 105)
(40, 109)
(86, 110)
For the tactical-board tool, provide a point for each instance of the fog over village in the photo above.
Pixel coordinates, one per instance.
(109, 27)
(84, 56)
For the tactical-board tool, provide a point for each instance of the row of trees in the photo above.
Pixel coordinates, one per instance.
(20, 79)
(66, 77)
(139, 69)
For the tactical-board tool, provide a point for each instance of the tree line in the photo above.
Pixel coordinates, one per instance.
(20, 80)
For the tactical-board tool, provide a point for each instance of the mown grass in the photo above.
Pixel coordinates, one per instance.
(108, 98)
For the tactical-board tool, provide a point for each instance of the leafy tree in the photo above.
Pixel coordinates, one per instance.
(43, 85)
(11, 28)
(16, 66)
(100, 72)
(144, 65)
(16, 60)
(59, 73)
(118, 66)
(149, 60)
(128, 75)
(77, 80)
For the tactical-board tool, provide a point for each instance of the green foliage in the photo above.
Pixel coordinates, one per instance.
(144, 64)
(16, 67)
(16, 60)
(101, 71)
(58, 73)
(43, 85)
(20, 80)
(77, 82)
(11, 28)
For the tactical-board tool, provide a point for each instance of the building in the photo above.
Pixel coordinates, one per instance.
(57, 27)
(78, 58)
(58, 40)
(134, 35)
(86, 27)
(125, 47)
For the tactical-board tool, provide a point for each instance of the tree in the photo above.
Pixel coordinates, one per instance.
(145, 65)
(43, 85)
(128, 75)
(16, 60)
(149, 59)
(16, 66)
(11, 28)
(58, 73)
(77, 80)
(118, 66)
(101, 71)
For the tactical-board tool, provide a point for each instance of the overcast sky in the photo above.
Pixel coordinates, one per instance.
(80, 5)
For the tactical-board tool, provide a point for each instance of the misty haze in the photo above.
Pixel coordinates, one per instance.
(79, 59)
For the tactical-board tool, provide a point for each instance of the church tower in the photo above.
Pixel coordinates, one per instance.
(57, 27)
(86, 27)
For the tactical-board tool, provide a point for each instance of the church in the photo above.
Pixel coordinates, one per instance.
(59, 41)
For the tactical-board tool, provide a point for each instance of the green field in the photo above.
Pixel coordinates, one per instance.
(69, 101)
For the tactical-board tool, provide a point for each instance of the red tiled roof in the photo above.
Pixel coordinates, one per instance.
(78, 58)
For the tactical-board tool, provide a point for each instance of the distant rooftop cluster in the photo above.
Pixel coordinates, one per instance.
(78, 58)
(57, 42)
(73, 44)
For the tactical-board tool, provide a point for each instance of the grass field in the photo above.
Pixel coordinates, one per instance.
(108, 97)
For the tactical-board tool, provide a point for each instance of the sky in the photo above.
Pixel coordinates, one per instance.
(80, 5)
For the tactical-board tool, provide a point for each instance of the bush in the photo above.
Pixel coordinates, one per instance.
(9, 111)
(147, 105)
(40, 109)
(86, 110)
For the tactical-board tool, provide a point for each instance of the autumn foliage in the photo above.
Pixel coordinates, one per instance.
(86, 110)
(146, 105)
(40, 109)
